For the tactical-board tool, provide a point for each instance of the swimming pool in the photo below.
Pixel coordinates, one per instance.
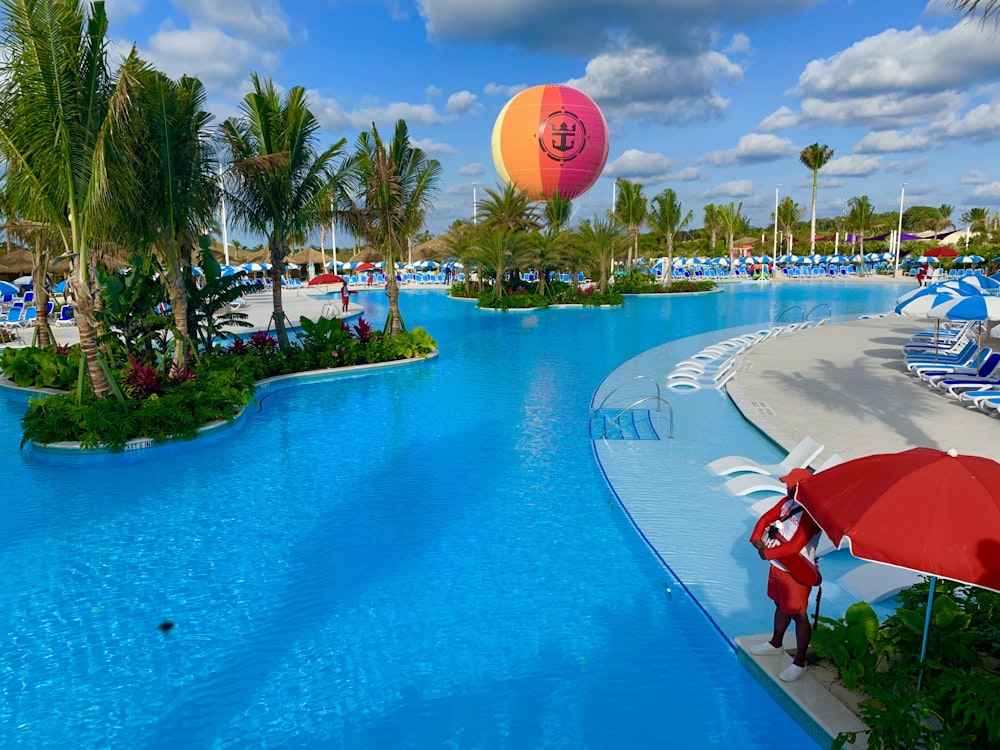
(423, 557)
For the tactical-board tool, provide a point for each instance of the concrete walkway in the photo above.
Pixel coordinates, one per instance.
(845, 385)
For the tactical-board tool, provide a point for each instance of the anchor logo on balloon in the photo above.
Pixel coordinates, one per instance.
(562, 136)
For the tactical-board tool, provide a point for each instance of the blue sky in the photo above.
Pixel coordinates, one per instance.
(714, 98)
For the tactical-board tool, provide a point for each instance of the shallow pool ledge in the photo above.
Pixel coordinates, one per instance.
(821, 714)
(270, 385)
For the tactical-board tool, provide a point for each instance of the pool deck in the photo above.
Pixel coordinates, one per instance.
(845, 386)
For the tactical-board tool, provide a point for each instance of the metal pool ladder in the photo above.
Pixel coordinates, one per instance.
(657, 398)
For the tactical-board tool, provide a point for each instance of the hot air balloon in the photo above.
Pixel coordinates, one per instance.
(550, 138)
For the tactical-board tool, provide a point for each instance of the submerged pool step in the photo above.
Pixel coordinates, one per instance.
(635, 424)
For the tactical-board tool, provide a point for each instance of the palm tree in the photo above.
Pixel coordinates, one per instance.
(977, 218)
(545, 251)
(598, 237)
(557, 211)
(630, 212)
(667, 219)
(734, 223)
(59, 108)
(789, 215)
(460, 247)
(815, 157)
(392, 185)
(509, 208)
(180, 192)
(986, 8)
(860, 218)
(496, 249)
(944, 218)
(712, 224)
(279, 181)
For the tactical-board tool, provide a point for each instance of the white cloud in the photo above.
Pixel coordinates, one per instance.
(907, 167)
(258, 20)
(980, 124)
(636, 163)
(645, 83)
(886, 141)
(496, 89)
(433, 148)
(433, 92)
(904, 62)
(974, 177)
(463, 103)
(780, 119)
(879, 111)
(738, 45)
(333, 117)
(989, 192)
(852, 166)
(472, 170)
(688, 174)
(118, 10)
(753, 148)
(220, 61)
(732, 189)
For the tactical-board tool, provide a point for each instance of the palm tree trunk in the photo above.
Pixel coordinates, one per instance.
(43, 330)
(812, 223)
(83, 304)
(179, 307)
(277, 260)
(394, 323)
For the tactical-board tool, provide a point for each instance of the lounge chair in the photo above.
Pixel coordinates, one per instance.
(13, 318)
(800, 456)
(747, 484)
(980, 369)
(874, 582)
(66, 316)
(30, 317)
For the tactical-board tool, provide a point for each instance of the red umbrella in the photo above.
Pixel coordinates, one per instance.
(326, 278)
(927, 510)
(941, 252)
(366, 267)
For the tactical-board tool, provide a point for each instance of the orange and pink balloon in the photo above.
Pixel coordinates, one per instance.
(550, 138)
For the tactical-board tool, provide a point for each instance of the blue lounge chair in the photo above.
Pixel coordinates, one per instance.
(30, 317)
(66, 316)
(13, 319)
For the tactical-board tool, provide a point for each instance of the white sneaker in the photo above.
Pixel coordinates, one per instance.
(791, 673)
(764, 648)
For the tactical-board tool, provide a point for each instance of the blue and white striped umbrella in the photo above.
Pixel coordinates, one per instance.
(970, 259)
(256, 267)
(58, 288)
(838, 258)
(978, 307)
(7, 288)
(919, 302)
(985, 283)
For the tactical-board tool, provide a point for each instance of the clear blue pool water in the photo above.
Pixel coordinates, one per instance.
(423, 557)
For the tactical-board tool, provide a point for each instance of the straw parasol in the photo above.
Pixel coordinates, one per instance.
(307, 255)
(16, 262)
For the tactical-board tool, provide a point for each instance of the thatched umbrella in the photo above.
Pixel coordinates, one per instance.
(308, 255)
(18, 262)
(368, 255)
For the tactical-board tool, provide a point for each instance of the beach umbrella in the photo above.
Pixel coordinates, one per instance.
(926, 510)
(919, 302)
(787, 258)
(256, 267)
(59, 288)
(24, 281)
(227, 270)
(984, 283)
(366, 266)
(838, 258)
(326, 278)
(967, 307)
(195, 271)
(292, 267)
(970, 259)
(941, 252)
(7, 288)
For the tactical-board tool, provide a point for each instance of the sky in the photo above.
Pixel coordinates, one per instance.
(713, 98)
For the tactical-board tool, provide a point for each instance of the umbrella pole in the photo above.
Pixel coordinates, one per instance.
(927, 628)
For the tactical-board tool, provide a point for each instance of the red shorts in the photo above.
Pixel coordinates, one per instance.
(789, 595)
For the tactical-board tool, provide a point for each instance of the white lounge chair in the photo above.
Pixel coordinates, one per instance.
(747, 484)
(800, 456)
(873, 582)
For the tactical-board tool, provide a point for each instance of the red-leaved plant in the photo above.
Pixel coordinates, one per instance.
(238, 347)
(142, 380)
(363, 331)
(262, 342)
(180, 374)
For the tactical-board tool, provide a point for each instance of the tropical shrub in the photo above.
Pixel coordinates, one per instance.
(689, 285)
(54, 366)
(958, 702)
